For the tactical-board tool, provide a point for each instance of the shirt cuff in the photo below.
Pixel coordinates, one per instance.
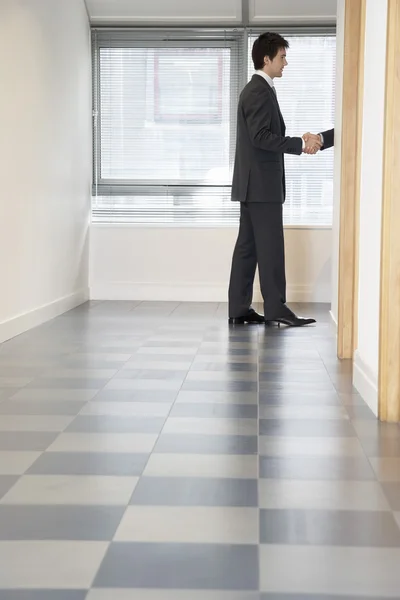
(322, 139)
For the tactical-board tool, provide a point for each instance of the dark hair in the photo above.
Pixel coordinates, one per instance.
(267, 44)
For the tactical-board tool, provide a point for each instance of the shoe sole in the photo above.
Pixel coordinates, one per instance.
(244, 322)
(288, 324)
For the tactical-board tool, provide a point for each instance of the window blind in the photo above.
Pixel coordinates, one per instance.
(164, 126)
(306, 95)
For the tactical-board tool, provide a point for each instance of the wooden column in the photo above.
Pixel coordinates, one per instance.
(353, 89)
(389, 342)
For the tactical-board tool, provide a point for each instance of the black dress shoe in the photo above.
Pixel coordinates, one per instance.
(291, 320)
(252, 318)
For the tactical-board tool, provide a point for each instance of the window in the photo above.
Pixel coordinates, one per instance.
(306, 95)
(165, 118)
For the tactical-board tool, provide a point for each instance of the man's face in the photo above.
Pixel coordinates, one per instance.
(275, 67)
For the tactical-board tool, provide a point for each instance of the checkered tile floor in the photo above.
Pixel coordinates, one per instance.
(150, 452)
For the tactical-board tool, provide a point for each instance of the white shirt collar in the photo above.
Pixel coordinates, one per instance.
(267, 78)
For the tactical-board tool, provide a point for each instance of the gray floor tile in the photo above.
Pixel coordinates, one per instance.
(14, 382)
(362, 572)
(125, 443)
(112, 424)
(42, 594)
(381, 447)
(329, 528)
(223, 376)
(95, 523)
(127, 409)
(210, 426)
(207, 366)
(26, 423)
(322, 495)
(32, 407)
(193, 524)
(173, 385)
(16, 463)
(273, 596)
(387, 469)
(360, 412)
(55, 395)
(275, 398)
(60, 383)
(322, 468)
(224, 360)
(67, 489)
(195, 491)
(26, 440)
(6, 483)
(319, 413)
(217, 397)
(296, 376)
(296, 387)
(163, 351)
(303, 428)
(201, 566)
(158, 374)
(50, 564)
(366, 428)
(392, 492)
(141, 361)
(73, 463)
(136, 396)
(79, 373)
(163, 594)
(206, 444)
(312, 446)
(220, 386)
(208, 410)
(203, 465)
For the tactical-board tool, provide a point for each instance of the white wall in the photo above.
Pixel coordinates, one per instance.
(292, 11)
(338, 156)
(211, 12)
(45, 160)
(176, 12)
(192, 264)
(366, 358)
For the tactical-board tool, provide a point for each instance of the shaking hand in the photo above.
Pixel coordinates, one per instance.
(313, 143)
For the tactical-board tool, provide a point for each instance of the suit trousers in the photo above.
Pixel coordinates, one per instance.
(260, 242)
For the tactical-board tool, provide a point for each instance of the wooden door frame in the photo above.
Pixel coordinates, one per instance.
(352, 116)
(389, 330)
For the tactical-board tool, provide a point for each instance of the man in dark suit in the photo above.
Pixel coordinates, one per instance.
(259, 185)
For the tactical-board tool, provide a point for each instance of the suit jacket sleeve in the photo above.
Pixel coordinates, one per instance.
(329, 139)
(257, 113)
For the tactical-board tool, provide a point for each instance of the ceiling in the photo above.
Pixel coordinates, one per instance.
(211, 12)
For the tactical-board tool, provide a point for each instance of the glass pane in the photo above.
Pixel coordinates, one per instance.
(165, 114)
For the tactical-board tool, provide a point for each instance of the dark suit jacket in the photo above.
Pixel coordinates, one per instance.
(259, 170)
(329, 139)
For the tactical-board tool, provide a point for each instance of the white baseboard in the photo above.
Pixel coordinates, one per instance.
(37, 316)
(190, 292)
(333, 318)
(365, 383)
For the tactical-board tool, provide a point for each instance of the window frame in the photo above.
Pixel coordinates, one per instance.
(215, 38)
